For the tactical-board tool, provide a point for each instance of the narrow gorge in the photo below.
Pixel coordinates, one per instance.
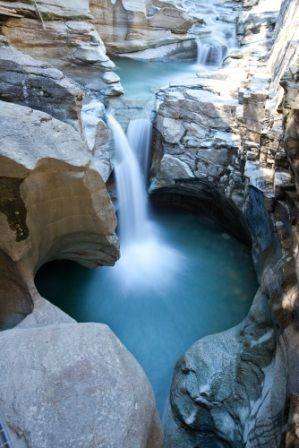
(148, 214)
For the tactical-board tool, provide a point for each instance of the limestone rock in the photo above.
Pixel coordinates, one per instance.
(29, 82)
(80, 387)
(196, 126)
(219, 410)
(144, 30)
(172, 130)
(171, 168)
(172, 17)
(110, 77)
(15, 300)
(57, 8)
(52, 166)
(73, 46)
(167, 49)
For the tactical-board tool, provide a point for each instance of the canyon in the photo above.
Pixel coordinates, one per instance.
(216, 88)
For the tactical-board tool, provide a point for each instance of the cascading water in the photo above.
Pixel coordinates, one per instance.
(130, 187)
(140, 135)
(210, 54)
(144, 257)
(218, 35)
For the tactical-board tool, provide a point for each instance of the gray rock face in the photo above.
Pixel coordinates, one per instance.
(73, 46)
(145, 30)
(15, 300)
(197, 130)
(55, 8)
(80, 387)
(230, 388)
(26, 81)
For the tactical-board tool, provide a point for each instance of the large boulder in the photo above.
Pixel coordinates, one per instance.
(53, 203)
(74, 385)
(229, 389)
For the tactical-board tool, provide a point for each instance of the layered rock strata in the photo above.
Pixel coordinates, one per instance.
(73, 46)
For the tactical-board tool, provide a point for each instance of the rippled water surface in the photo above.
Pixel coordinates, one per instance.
(161, 297)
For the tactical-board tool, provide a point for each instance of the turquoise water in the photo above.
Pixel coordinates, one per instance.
(203, 282)
(141, 79)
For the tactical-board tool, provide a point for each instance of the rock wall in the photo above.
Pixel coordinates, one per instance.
(73, 46)
(73, 33)
(237, 129)
(130, 27)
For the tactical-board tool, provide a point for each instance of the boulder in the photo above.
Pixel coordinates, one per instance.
(229, 389)
(74, 385)
(59, 206)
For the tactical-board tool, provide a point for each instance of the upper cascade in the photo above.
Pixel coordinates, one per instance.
(130, 184)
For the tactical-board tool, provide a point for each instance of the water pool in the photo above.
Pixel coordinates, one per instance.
(141, 79)
(203, 282)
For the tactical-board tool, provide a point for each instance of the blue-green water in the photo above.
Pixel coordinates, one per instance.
(201, 282)
(141, 79)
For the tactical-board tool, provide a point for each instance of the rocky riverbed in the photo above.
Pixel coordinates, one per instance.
(225, 145)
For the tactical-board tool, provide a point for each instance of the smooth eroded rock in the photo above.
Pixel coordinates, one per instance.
(74, 385)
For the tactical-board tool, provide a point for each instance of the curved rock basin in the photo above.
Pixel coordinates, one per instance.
(202, 281)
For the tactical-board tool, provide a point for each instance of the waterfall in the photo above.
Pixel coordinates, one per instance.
(130, 186)
(140, 135)
(210, 54)
(145, 258)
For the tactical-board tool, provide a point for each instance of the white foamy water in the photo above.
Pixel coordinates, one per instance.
(132, 198)
(144, 257)
(210, 54)
(140, 136)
